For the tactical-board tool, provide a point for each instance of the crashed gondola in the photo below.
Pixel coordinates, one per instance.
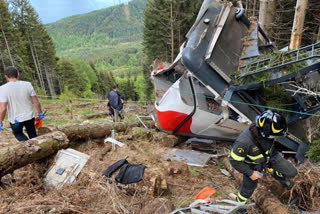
(203, 93)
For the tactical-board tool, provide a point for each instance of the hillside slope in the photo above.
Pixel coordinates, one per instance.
(104, 27)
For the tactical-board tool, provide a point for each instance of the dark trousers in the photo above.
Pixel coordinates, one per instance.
(17, 130)
(282, 169)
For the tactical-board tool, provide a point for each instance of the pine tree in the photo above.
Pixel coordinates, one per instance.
(40, 47)
(165, 25)
(12, 47)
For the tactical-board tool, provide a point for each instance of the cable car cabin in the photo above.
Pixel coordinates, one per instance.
(218, 83)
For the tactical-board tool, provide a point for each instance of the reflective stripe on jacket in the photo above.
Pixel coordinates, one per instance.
(245, 156)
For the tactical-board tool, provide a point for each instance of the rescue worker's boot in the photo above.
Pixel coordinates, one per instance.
(282, 179)
(242, 200)
(242, 211)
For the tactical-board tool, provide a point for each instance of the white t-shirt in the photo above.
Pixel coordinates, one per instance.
(18, 95)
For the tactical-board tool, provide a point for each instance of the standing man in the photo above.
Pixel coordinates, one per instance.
(115, 103)
(16, 98)
(253, 152)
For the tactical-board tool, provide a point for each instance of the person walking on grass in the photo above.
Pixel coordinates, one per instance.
(115, 103)
(17, 98)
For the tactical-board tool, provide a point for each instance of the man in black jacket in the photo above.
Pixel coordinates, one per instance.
(253, 152)
(115, 103)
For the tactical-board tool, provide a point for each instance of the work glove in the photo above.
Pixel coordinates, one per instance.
(108, 112)
(120, 112)
(41, 116)
(1, 126)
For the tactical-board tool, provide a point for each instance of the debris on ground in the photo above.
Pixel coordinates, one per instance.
(192, 158)
(211, 207)
(129, 173)
(67, 166)
(166, 185)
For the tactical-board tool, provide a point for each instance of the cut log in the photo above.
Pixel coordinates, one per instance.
(172, 141)
(95, 115)
(267, 202)
(52, 140)
(264, 199)
(22, 154)
(87, 131)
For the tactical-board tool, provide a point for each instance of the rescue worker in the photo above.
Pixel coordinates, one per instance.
(253, 152)
(115, 103)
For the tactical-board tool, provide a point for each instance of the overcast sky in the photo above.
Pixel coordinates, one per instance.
(53, 10)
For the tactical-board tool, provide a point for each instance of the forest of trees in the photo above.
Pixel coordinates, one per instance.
(109, 26)
(119, 44)
(26, 44)
(108, 39)
(165, 25)
(167, 22)
(282, 14)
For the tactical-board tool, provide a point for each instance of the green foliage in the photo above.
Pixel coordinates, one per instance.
(314, 151)
(108, 26)
(157, 38)
(277, 97)
(276, 58)
(220, 164)
(195, 171)
(110, 42)
(85, 70)
(157, 26)
(120, 58)
(127, 88)
(72, 77)
(25, 44)
(67, 95)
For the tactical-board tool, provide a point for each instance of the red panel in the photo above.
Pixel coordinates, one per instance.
(169, 120)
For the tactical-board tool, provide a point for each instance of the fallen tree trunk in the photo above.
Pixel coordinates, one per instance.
(95, 115)
(52, 140)
(86, 131)
(264, 199)
(22, 154)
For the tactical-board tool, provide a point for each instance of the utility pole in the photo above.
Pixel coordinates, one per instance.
(298, 23)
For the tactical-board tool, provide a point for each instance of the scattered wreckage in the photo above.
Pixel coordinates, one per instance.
(216, 86)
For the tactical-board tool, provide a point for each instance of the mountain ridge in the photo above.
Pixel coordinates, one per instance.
(109, 26)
